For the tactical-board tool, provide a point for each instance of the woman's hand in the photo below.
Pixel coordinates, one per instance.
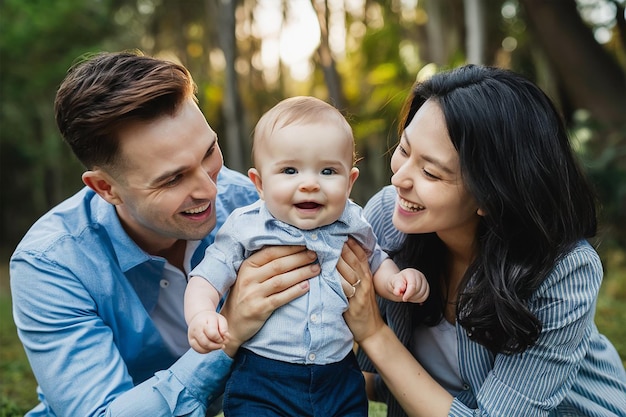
(408, 381)
(362, 315)
(268, 279)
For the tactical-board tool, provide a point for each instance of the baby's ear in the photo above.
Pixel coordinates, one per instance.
(354, 174)
(255, 177)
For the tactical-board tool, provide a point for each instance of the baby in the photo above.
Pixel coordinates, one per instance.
(301, 362)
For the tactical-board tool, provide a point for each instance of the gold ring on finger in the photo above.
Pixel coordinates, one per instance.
(353, 292)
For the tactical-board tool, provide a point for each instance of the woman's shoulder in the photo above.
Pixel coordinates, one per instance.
(579, 268)
(582, 254)
(379, 213)
(381, 204)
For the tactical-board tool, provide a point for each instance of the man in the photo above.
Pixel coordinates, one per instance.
(98, 282)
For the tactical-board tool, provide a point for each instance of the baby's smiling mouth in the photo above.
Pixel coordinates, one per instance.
(308, 205)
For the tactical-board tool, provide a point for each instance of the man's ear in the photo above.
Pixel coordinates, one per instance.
(255, 177)
(103, 185)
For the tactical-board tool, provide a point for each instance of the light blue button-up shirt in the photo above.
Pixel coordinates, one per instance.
(310, 329)
(571, 371)
(83, 292)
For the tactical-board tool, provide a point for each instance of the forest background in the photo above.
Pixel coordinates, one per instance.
(360, 55)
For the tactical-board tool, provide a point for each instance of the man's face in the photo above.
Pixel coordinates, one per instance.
(167, 183)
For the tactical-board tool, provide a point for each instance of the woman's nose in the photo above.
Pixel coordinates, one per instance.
(400, 178)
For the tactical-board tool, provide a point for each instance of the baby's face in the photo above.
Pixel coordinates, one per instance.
(305, 173)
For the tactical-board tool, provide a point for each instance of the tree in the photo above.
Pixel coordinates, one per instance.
(222, 15)
(36, 48)
(591, 77)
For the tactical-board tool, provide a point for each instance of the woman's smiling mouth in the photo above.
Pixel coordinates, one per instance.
(409, 206)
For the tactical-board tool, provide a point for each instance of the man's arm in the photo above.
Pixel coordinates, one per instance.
(73, 353)
(74, 356)
(185, 389)
(268, 279)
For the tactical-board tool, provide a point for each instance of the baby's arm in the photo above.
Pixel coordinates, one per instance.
(408, 285)
(208, 330)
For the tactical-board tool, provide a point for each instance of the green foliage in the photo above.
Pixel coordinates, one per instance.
(8, 408)
(40, 39)
(611, 313)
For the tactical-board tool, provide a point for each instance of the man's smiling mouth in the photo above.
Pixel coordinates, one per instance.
(198, 210)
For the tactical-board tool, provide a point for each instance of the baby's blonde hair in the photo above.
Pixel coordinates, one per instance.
(299, 110)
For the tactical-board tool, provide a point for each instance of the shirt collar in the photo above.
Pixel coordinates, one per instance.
(128, 253)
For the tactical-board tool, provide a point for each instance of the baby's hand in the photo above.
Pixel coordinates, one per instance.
(208, 331)
(410, 285)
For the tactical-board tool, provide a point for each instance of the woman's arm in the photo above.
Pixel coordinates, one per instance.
(414, 389)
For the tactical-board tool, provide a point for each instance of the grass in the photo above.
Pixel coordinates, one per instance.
(17, 384)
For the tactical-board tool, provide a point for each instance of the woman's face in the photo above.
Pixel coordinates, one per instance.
(427, 177)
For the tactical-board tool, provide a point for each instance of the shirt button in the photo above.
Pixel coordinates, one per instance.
(314, 236)
(164, 283)
(314, 318)
(466, 387)
(311, 356)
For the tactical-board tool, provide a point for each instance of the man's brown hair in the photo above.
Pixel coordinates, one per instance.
(106, 91)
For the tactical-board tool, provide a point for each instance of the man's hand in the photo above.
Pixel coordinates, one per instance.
(268, 279)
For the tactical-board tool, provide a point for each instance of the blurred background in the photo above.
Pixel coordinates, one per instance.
(360, 55)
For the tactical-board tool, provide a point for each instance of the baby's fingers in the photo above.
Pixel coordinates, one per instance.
(222, 324)
(202, 344)
(409, 291)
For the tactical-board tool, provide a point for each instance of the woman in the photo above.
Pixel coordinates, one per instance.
(488, 201)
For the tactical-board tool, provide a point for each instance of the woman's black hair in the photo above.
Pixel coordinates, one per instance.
(517, 162)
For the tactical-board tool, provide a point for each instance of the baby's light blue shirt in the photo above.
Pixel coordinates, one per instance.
(310, 329)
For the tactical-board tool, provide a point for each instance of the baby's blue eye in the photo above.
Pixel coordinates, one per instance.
(328, 171)
(290, 171)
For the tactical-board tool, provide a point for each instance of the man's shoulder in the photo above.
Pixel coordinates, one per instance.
(229, 178)
(234, 190)
(66, 221)
(250, 215)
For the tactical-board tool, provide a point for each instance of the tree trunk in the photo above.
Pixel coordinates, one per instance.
(592, 79)
(331, 76)
(234, 121)
(475, 29)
